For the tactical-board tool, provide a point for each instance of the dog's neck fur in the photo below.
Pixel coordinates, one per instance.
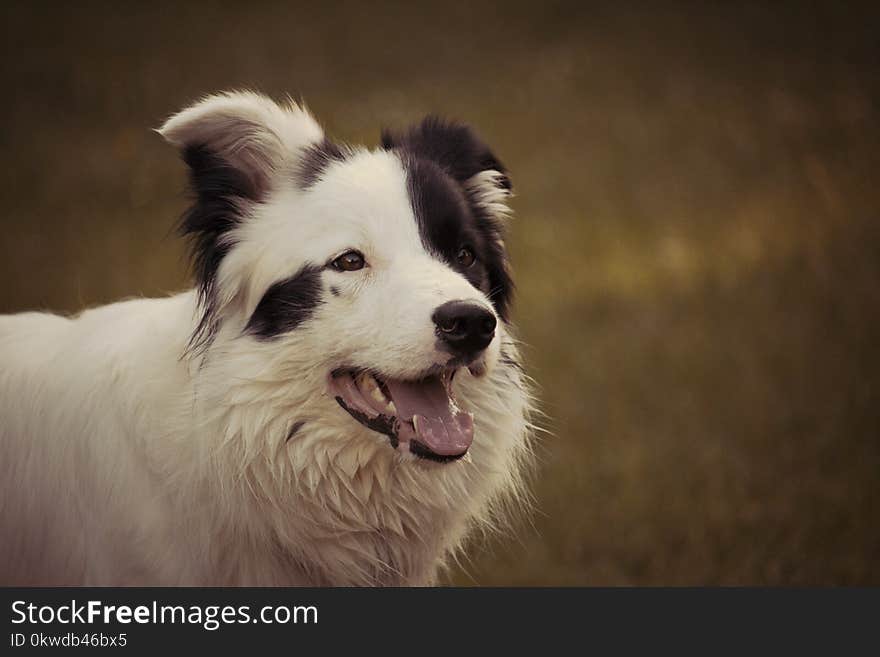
(306, 496)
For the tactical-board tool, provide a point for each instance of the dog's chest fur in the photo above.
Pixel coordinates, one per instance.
(332, 504)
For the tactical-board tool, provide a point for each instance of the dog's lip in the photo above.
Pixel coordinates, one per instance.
(420, 415)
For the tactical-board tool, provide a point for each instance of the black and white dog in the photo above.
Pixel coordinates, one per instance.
(337, 402)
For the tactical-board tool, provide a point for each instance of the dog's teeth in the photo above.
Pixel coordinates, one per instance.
(367, 384)
(415, 422)
(391, 408)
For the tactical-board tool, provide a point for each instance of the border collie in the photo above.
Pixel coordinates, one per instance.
(338, 401)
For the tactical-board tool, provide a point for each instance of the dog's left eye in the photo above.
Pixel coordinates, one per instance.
(349, 261)
(465, 257)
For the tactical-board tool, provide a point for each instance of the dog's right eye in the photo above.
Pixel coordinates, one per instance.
(349, 261)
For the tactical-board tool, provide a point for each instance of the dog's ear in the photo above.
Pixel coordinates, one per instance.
(463, 155)
(235, 145)
(246, 132)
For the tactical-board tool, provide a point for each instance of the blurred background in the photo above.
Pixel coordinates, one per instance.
(696, 239)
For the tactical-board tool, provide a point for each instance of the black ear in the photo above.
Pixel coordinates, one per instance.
(454, 146)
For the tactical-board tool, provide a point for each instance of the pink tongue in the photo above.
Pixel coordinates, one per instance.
(440, 425)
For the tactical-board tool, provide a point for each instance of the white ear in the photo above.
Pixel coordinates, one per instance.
(247, 131)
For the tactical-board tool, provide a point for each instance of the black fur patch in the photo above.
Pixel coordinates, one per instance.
(317, 158)
(220, 193)
(439, 158)
(286, 304)
(446, 221)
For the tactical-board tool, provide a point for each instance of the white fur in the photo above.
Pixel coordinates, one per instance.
(126, 459)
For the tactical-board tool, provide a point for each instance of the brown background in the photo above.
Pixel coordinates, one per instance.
(696, 240)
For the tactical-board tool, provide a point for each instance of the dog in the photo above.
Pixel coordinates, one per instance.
(338, 401)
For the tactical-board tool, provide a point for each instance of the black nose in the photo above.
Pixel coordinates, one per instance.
(466, 327)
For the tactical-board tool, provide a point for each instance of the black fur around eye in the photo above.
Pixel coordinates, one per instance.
(349, 261)
(465, 256)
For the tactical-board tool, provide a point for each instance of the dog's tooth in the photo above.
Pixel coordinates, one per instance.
(363, 383)
(371, 387)
(378, 395)
(391, 408)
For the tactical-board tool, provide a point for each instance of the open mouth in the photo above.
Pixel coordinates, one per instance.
(420, 414)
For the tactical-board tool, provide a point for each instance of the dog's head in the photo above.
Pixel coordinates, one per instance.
(382, 273)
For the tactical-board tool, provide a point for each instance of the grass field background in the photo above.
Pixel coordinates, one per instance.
(696, 240)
